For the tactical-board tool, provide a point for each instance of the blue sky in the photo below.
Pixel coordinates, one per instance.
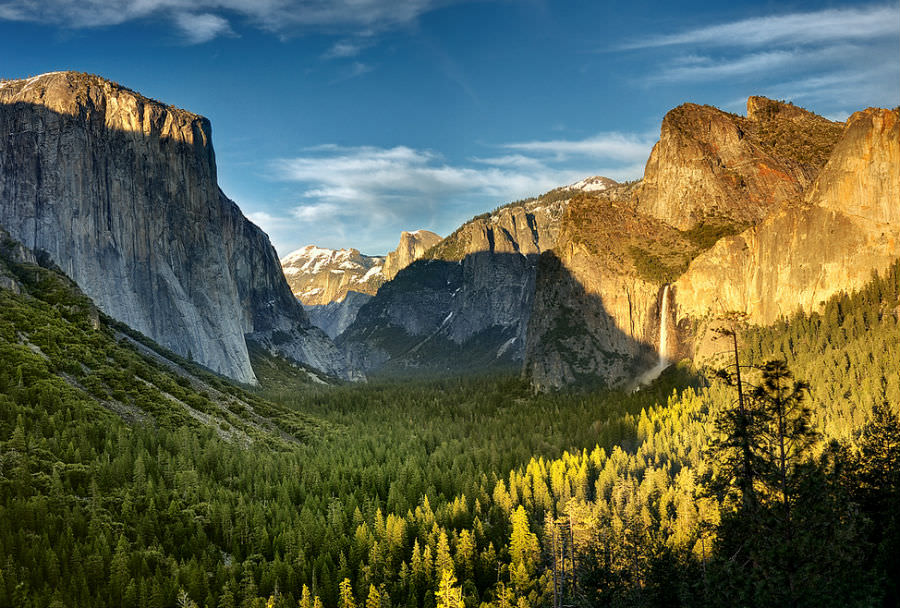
(342, 123)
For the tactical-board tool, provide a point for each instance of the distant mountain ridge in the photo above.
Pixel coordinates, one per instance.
(319, 276)
(121, 192)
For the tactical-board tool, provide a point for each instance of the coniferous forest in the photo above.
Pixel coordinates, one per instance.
(127, 481)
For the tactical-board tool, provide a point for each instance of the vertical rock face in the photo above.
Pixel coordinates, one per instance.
(412, 246)
(848, 227)
(596, 315)
(813, 232)
(121, 192)
(709, 165)
(467, 304)
(862, 179)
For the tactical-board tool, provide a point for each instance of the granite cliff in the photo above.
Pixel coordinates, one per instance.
(465, 305)
(120, 191)
(411, 247)
(597, 303)
(764, 214)
(710, 166)
(846, 227)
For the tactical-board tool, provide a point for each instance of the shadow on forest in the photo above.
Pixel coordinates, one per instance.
(496, 313)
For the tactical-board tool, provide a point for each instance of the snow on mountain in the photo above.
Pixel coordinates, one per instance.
(318, 275)
(597, 183)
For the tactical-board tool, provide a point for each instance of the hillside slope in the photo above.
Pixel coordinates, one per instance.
(466, 304)
(60, 351)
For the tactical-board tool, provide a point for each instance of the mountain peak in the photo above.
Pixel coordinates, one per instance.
(596, 183)
(411, 247)
(762, 108)
(95, 98)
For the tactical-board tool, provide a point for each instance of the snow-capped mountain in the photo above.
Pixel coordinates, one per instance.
(318, 276)
(597, 183)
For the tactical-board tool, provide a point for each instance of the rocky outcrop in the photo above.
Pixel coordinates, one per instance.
(712, 166)
(847, 227)
(813, 233)
(466, 305)
(411, 247)
(320, 276)
(121, 193)
(12, 251)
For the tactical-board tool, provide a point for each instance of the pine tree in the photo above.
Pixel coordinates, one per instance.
(373, 600)
(346, 599)
(447, 594)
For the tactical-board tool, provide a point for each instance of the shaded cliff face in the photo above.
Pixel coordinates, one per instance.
(333, 318)
(597, 307)
(466, 305)
(121, 192)
(319, 276)
(712, 166)
(848, 227)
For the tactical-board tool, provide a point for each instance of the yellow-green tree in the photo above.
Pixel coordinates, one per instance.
(447, 594)
(346, 599)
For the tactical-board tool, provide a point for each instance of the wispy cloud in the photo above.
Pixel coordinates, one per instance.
(818, 27)
(620, 146)
(371, 193)
(211, 17)
(343, 49)
(201, 28)
(807, 57)
(352, 70)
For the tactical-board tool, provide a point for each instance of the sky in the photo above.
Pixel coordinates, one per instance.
(340, 123)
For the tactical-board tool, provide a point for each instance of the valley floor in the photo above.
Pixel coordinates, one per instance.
(460, 491)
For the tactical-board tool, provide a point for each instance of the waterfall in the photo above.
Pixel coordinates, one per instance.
(663, 362)
(664, 328)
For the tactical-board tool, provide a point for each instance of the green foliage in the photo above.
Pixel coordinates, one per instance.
(706, 233)
(652, 268)
(370, 494)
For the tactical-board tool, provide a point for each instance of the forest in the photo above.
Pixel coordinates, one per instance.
(778, 489)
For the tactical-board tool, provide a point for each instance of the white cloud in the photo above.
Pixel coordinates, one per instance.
(201, 28)
(280, 16)
(368, 194)
(343, 49)
(834, 58)
(825, 26)
(356, 68)
(624, 147)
